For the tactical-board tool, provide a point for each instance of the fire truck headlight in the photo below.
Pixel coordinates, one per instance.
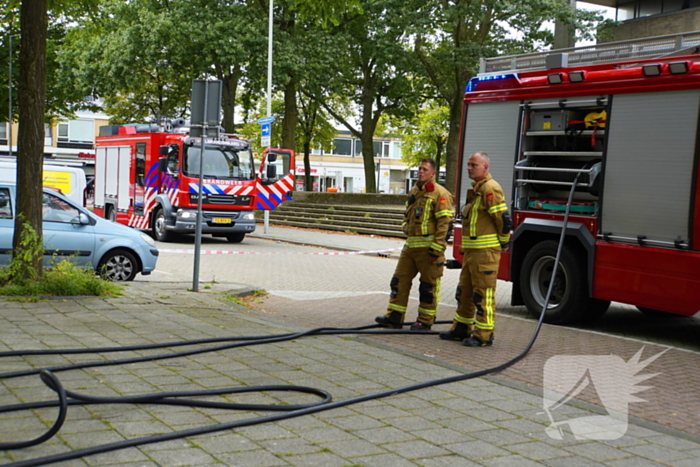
(187, 214)
(148, 239)
(249, 216)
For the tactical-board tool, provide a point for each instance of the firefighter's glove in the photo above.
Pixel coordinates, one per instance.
(433, 255)
(412, 199)
(505, 246)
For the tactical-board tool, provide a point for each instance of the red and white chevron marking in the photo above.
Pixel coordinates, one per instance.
(279, 188)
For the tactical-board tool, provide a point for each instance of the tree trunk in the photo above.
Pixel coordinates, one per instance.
(30, 139)
(368, 158)
(308, 185)
(291, 115)
(228, 99)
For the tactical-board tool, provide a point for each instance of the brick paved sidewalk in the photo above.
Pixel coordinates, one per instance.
(477, 422)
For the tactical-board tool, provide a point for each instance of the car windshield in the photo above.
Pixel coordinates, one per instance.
(220, 163)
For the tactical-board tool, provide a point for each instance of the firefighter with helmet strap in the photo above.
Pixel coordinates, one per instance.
(426, 222)
(486, 227)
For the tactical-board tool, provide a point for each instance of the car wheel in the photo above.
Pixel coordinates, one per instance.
(235, 237)
(159, 231)
(569, 301)
(118, 265)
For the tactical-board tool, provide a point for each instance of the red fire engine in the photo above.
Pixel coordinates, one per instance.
(148, 178)
(630, 129)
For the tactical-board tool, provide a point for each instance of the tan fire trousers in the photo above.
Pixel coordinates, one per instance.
(476, 292)
(411, 262)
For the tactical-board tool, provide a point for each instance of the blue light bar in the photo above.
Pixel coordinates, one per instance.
(471, 85)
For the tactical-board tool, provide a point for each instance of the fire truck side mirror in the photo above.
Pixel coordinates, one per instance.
(271, 157)
(163, 161)
(163, 150)
(271, 172)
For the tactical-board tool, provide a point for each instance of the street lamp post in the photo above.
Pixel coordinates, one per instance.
(266, 213)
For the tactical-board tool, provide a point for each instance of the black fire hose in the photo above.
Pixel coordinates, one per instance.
(67, 398)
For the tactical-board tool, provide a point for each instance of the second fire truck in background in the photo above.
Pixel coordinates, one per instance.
(148, 178)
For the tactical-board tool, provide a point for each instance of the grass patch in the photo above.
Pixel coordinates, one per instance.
(64, 279)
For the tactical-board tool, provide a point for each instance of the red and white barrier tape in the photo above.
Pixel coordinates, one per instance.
(224, 252)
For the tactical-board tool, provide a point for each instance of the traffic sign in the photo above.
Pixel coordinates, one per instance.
(265, 129)
(265, 120)
(265, 142)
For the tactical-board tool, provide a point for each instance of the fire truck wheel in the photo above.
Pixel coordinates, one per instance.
(118, 265)
(235, 237)
(159, 231)
(569, 301)
(111, 213)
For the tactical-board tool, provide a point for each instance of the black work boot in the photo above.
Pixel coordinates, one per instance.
(420, 326)
(474, 341)
(393, 321)
(459, 333)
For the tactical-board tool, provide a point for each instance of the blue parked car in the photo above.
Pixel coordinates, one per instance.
(72, 232)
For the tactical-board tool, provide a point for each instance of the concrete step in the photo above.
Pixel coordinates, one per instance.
(368, 211)
(336, 218)
(341, 228)
(370, 220)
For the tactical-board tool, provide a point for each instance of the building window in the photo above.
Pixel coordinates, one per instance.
(379, 150)
(77, 131)
(3, 130)
(642, 8)
(672, 5)
(342, 147)
(76, 134)
(649, 7)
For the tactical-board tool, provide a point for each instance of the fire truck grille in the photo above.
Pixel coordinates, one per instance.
(220, 215)
(223, 199)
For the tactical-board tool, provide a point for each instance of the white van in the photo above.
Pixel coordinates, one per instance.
(70, 181)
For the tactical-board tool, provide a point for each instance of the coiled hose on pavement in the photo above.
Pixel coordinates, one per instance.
(67, 398)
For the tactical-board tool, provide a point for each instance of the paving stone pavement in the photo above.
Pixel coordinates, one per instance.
(479, 422)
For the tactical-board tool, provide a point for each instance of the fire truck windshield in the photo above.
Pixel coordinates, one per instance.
(220, 163)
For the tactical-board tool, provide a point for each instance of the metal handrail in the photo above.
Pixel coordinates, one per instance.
(650, 47)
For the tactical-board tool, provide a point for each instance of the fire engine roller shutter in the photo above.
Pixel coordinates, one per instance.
(493, 129)
(125, 183)
(100, 160)
(111, 166)
(649, 165)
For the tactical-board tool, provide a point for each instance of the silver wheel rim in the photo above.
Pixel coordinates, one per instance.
(540, 278)
(119, 268)
(160, 226)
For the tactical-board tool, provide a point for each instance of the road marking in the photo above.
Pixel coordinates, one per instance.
(323, 253)
(301, 295)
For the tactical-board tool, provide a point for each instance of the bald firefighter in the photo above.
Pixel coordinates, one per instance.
(426, 223)
(486, 227)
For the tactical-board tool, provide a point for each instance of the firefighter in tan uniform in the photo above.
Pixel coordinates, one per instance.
(486, 227)
(426, 223)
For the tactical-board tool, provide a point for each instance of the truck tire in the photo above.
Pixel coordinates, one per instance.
(111, 213)
(118, 265)
(569, 301)
(159, 231)
(235, 237)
